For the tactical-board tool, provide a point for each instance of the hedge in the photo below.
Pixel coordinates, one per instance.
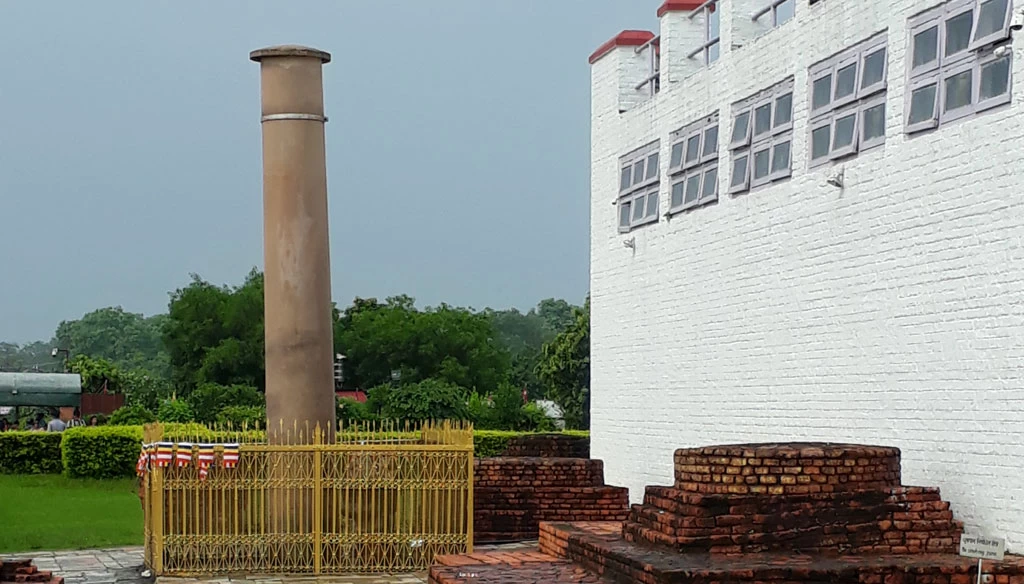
(101, 453)
(29, 453)
(112, 451)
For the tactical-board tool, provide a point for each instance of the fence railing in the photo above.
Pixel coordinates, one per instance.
(377, 498)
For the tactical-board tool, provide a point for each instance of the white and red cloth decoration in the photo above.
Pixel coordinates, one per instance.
(206, 459)
(230, 457)
(164, 454)
(184, 454)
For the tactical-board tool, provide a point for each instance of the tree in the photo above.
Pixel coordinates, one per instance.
(564, 368)
(447, 344)
(214, 334)
(97, 374)
(126, 339)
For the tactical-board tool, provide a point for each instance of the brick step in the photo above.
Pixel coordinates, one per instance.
(600, 548)
(509, 567)
(24, 572)
(899, 520)
(515, 513)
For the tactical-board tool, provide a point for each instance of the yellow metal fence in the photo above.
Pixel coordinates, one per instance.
(374, 499)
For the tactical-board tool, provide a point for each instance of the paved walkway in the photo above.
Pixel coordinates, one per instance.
(124, 566)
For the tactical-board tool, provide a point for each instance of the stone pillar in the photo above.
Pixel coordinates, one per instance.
(297, 276)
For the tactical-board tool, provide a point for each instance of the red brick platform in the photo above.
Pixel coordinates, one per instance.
(22, 571)
(773, 513)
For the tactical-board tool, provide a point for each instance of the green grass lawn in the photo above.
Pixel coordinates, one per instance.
(50, 512)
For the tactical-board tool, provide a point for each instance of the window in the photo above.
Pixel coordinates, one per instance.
(848, 101)
(709, 50)
(781, 11)
(652, 84)
(693, 169)
(639, 176)
(954, 69)
(761, 140)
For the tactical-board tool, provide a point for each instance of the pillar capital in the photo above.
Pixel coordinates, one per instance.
(289, 51)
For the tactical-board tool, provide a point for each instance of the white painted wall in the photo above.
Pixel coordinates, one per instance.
(891, 312)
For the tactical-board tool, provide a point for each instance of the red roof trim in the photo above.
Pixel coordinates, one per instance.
(358, 396)
(675, 5)
(626, 38)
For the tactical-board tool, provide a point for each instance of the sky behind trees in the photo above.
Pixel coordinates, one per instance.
(457, 151)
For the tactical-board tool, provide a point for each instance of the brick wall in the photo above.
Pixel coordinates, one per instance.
(511, 496)
(886, 312)
(549, 446)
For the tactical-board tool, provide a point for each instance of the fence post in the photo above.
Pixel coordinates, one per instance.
(318, 494)
(157, 495)
(469, 500)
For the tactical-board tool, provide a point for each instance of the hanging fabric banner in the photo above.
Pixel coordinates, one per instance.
(230, 457)
(164, 454)
(184, 455)
(206, 459)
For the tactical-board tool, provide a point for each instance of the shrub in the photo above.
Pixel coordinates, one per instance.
(243, 416)
(430, 399)
(29, 453)
(505, 411)
(209, 399)
(101, 453)
(175, 410)
(487, 443)
(349, 410)
(133, 415)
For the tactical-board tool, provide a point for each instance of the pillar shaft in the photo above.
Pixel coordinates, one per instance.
(297, 276)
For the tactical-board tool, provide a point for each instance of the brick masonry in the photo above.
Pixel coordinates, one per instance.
(798, 497)
(887, 311)
(24, 572)
(868, 529)
(511, 496)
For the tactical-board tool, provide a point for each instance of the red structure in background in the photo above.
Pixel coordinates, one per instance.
(358, 395)
(101, 403)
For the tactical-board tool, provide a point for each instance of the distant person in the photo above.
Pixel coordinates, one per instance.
(56, 425)
(94, 421)
(4, 425)
(76, 420)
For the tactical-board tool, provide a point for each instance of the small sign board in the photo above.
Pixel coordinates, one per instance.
(982, 547)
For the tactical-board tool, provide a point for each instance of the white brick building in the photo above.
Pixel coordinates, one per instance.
(775, 304)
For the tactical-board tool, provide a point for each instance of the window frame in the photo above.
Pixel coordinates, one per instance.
(851, 148)
(918, 25)
(978, 54)
(697, 168)
(994, 38)
(745, 185)
(963, 111)
(785, 126)
(883, 85)
(862, 98)
(852, 59)
(755, 144)
(825, 122)
(868, 104)
(950, 11)
(932, 122)
(1001, 99)
(641, 191)
(774, 175)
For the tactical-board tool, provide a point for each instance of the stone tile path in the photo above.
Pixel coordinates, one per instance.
(124, 566)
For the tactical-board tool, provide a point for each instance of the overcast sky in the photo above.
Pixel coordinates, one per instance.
(457, 151)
